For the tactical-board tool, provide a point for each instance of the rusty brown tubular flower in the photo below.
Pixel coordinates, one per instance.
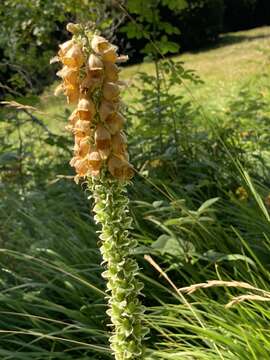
(90, 79)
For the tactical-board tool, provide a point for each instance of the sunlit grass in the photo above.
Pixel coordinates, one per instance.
(237, 59)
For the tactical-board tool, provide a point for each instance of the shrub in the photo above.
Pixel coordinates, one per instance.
(200, 22)
(262, 12)
(239, 14)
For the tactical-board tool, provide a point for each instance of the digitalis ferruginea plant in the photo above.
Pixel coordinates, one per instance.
(90, 80)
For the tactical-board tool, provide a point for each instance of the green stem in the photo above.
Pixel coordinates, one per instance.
(123, 287)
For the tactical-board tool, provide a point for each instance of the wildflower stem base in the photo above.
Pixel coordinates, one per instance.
(123, 287)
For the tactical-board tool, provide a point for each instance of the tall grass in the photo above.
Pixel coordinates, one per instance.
(52, 298)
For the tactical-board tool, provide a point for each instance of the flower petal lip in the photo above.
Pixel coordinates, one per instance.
(110, 55)
(59, 89)
(68, 74)
(86, 109)
(95, 62)
(83, 147)
(65, 47)
(122, 58)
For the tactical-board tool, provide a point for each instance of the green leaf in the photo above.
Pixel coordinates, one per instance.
(208, 203)
(166, 244)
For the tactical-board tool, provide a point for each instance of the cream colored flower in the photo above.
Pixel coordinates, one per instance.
(73, 57)
(111, 72)
(86, 109)
(119, 168)
(72, 92)
(82, 128)
(64, 48)
(82, 148)
(94, 161)
(99, 44)
(103, 141)
(106, 108)
(119, 143)
(110, 55)
(95, 62)
(68, 74)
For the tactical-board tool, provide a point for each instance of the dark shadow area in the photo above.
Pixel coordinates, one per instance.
(228, 39)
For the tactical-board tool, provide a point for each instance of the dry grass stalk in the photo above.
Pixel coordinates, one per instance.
(236, 284)
(18, 106)
(248, 297)
(214, 283)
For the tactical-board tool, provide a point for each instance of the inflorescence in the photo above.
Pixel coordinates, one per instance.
(91, 81)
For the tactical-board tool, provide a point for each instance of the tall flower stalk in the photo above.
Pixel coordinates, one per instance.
(91, 81)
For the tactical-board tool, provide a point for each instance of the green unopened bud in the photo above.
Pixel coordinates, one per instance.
(73, 28)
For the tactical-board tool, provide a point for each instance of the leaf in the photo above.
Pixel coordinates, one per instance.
(157, 204)
(215, 256)
(166, 244)
(8, 158)
(207, 204)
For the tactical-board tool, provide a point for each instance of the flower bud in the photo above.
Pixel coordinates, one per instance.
(73, 28)
(86, 109)
(115, 122)
(111, 91)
